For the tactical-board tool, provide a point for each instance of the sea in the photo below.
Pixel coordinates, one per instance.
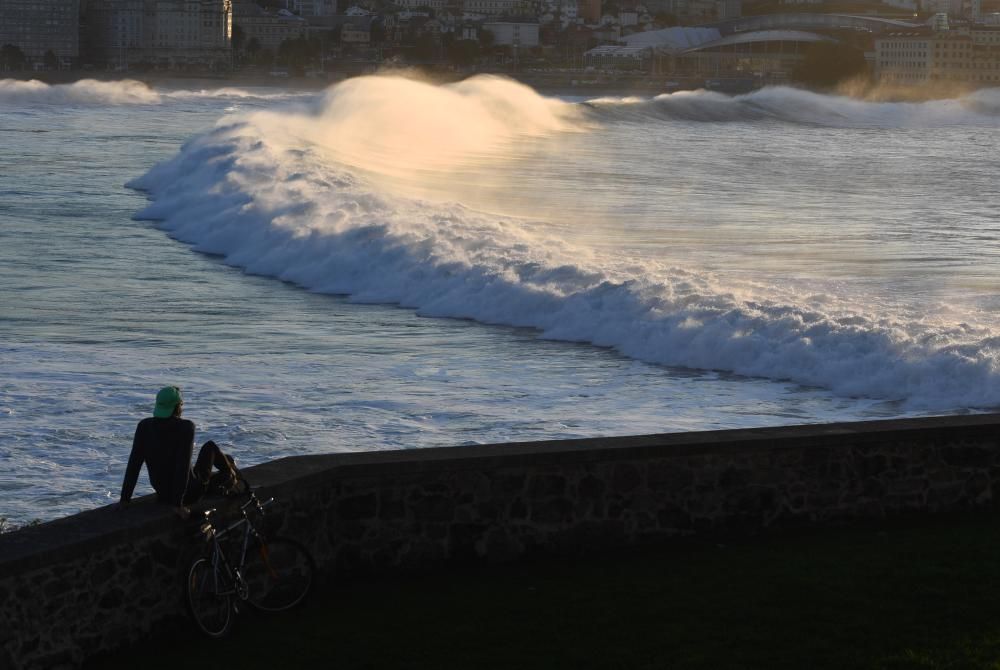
(394, 264)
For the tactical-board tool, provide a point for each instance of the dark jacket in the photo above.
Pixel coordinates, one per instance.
(165, 446)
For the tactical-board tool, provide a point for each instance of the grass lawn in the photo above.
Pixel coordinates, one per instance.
(905, 596)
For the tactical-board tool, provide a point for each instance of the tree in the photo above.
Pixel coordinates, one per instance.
(11, 57)
(826, 64)
(463, 52)
(296, 53)
(425, 47)
(665, 19)
(51, 61)
(486, 40)
(377, 32)
(264, 56)
(252, 49)
(239, 38)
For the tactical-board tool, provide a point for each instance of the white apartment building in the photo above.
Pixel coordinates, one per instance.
(493, 7)
(903, 58)
(967, 56)
(39, 26)
(164, 34)
(436, 5)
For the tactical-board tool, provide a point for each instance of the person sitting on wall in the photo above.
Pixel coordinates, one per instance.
(164, 442)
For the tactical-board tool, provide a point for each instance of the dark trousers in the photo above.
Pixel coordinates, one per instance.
(201, 479)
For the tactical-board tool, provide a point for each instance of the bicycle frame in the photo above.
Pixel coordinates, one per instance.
(221, 566)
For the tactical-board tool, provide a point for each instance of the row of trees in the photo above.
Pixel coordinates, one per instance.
(13, 58)
(301, 53)
(827, 64)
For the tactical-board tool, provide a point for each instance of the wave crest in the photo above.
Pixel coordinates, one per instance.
(793, 105)
(85, 91)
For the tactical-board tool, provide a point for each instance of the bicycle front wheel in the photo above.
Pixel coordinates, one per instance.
(211, 610)
(278, 574)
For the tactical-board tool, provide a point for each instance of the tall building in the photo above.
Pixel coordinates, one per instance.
(40, 26)
(160, 34)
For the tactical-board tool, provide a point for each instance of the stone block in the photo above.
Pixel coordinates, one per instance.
(436, 531)
(732, 478)
(626, 478)
(497, 546)
(518, 510)
(583, 536)
(673, 475)
(391, 508)
(356, 507)
(112, 599)
(507, 484)
(487, 511)
(977, 488)
(463, 539)
(546, 486)
(552, 511)
(907, 486)
(475, 484)
(968, 456)
(873, 488)
(433, 507)
(590, 488)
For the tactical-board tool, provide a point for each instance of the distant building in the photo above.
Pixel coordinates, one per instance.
(356, 30)
(516, 34)
(493, 7)
(162, 34)
(611, 57)
(609, 33)
(967, 56)
(589, 11)
(39, 26)
(728, 9)
(268, 29)
(310, 8)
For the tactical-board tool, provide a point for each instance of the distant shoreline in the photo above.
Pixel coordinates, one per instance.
(592, 84)
(569, 83)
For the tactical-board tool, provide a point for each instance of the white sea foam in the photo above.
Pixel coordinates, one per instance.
(121, 92)
(85, 91)
(799, 106)
(269, 195)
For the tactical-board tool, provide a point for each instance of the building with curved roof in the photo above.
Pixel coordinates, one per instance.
(811, 22)
(763, 56)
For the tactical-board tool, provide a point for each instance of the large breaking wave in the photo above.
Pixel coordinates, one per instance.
(270, 194)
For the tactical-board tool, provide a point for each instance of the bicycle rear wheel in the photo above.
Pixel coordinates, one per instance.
(212, 611)
(279, 574)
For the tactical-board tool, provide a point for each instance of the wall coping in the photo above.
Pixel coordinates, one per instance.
(37, 546)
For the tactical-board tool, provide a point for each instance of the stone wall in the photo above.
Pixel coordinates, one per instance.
(97, 580)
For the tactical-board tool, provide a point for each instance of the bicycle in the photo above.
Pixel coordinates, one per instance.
(270, 574)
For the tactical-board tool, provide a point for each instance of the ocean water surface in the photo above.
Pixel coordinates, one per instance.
(389, 264)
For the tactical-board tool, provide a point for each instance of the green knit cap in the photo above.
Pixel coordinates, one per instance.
(167, 399)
